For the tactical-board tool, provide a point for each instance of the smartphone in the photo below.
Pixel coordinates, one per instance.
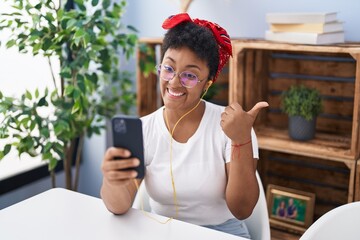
(127, 133)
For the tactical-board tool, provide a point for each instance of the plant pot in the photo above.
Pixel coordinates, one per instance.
(301, 129)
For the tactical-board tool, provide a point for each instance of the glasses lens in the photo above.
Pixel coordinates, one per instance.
(188, 79)
(166, 73)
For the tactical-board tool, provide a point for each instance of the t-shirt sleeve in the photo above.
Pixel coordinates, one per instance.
(255, 147)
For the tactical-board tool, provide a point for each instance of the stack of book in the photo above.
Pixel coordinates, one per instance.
(305, 28)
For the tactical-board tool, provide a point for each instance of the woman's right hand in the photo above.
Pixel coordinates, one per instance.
(114, 170)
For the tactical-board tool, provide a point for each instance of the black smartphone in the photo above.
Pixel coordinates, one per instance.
(127, 133)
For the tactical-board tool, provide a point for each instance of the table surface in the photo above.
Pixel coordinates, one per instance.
(62, 214)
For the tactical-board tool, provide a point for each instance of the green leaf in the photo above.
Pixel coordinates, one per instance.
(76, 107)
(76, 93)
(7, 149)
(106, 4)
(69, 90)
(81, 83)
(46, 156)
(79, 33)
(52, 163)
(71, 23)
(38, 6)
(60, 127)
(36, 47)
(65, 73)
(49, 17)
(47, 147)
(25, 121)
(132, 28)
(45, 132)
(94, 2)
(59, 149)
(43, 102)
(32, 125)
(28, 95)
(36, 93)
(10, 43)
(47, 44)
(1, 95)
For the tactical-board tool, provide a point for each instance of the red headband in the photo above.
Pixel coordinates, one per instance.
(220, 34)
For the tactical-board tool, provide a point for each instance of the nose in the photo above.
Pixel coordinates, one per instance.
(175, 81)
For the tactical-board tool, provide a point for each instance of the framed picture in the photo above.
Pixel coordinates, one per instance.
(290, 209)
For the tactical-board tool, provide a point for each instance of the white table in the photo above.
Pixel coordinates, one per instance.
(62, 214)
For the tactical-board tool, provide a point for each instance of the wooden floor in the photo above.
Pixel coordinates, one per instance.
(281, 235)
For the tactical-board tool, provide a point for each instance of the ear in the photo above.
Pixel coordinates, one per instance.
(209, 83)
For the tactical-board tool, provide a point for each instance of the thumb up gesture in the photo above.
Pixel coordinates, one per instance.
(237, 123)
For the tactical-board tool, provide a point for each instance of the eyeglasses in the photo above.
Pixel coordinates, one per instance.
(187, 79)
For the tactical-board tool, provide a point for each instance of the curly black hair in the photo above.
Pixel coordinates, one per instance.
(197, 38)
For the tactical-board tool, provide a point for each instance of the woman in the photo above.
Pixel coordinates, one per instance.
(200, 158)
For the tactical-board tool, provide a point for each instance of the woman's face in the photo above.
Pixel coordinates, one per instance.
(175, 96)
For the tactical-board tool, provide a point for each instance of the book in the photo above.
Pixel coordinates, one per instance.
(309, 17)
(308, 27)
(305, 38)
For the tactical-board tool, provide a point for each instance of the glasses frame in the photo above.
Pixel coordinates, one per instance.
(158, 68)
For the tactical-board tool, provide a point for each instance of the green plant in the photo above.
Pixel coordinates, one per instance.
(88, 39)
(302, 101)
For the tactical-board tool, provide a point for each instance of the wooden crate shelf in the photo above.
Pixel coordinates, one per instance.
(262, 70)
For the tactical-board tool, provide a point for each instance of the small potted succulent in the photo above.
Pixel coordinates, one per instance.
(302, 105)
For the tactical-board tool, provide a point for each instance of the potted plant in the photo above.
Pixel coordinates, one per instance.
(88, 38)
(302, 105)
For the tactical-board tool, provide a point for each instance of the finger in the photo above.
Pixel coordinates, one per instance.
(255, 110)
(223, 115)
(121, 164)
(222, 122)
(227, 109)
(121, 175)
(113, 152)
(236, 106)
(120, 182)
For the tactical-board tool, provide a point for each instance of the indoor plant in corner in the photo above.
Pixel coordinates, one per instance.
(88, 38)
(302, 105)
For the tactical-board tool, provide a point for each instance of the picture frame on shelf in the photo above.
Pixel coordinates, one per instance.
(290, 209)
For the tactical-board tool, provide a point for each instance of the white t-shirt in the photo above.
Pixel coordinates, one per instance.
(198, 168)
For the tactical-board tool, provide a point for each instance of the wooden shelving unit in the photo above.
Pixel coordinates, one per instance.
(327, 165)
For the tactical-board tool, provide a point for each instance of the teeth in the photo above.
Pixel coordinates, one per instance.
(176, 94)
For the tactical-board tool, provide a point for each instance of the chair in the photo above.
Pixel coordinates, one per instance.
(257, 223)
(339, 223)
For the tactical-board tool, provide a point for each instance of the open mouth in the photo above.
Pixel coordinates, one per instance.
(174, 93)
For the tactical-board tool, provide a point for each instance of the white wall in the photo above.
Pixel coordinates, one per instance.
(241, 18)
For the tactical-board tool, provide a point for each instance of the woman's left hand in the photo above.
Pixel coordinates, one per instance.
(237, 123)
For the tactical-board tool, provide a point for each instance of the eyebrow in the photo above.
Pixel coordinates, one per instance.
(187, 66)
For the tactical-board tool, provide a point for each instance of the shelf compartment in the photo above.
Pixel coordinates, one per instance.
(332, 182)
(324, 145)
